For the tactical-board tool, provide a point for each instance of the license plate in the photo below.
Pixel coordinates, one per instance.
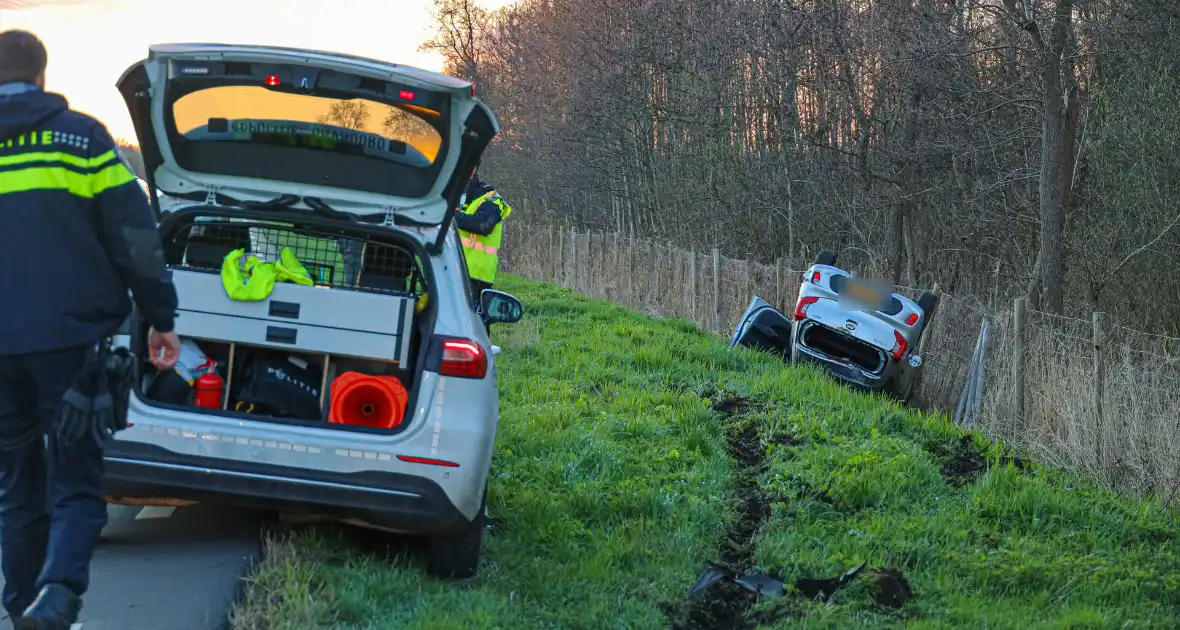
(863, 293)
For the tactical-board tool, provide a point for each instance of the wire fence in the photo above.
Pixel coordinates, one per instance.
(1089, 395)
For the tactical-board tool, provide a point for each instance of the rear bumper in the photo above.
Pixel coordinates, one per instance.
(406, 503)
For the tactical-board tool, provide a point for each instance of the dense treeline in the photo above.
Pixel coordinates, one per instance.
(998, 147)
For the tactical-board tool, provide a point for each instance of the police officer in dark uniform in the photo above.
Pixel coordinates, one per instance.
(76, 233)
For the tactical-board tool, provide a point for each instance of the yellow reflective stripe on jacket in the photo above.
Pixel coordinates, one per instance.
(57, 156)
(54, 177)
(110, 177)
(45, 178)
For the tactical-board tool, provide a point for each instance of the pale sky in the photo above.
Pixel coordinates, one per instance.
(91, 42)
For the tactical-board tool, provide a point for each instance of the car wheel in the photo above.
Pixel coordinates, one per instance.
(826, 257)
(928, 301)
(456, 556)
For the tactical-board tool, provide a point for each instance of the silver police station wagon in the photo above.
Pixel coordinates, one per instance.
(335, 359)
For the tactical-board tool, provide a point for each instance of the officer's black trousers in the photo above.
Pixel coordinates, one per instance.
(51, 504)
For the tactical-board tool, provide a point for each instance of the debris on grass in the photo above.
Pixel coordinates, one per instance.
(890, 588)
(756, 583)
(822, 589)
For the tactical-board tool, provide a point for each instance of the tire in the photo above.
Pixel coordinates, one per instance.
(901, 390)
(826, 257)
(928, 301)
(456, 556)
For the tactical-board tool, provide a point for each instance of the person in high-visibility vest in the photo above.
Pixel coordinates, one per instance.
(480, 221)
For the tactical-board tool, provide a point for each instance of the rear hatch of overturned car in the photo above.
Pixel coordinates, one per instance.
(336, 175)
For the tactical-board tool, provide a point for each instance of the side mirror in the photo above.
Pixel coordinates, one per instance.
(499, 307)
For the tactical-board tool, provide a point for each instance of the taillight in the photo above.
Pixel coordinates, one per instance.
(463, 358)
(898, 349)
(815, 278)
(801, 307)
(912, 319)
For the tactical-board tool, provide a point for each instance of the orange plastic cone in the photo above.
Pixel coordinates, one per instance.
(371, 401)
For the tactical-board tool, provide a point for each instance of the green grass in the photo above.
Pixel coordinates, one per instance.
(612, 487)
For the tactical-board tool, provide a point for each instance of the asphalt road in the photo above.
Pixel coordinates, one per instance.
(169, 569)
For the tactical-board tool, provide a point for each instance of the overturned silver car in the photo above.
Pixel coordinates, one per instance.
(859, 330)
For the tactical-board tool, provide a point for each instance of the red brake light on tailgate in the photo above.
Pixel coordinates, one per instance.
(464, 359)
(912, 319)
(272, 79)
(898, 349)
(815, 278)
(801, 307)
(406, 95)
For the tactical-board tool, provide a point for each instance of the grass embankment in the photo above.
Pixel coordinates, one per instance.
(633, 451)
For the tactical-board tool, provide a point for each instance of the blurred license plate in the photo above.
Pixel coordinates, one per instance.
(863, 293)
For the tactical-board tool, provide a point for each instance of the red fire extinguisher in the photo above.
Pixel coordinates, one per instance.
(208, 387)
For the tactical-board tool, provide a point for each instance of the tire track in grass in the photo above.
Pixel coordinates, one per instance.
(724, 605)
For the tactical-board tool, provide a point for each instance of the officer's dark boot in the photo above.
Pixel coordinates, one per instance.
(56, 608)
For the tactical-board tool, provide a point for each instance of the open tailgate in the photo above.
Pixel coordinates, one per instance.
(254, 125)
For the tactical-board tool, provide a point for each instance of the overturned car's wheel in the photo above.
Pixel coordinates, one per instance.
(928, 301)
(826, 257)
(456, 556)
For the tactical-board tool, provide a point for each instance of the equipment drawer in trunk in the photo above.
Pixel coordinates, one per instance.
(301, 338)
(297, 317)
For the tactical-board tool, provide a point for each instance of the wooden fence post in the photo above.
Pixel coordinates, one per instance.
(716, 290)
(692, 281)
(749, 278)
(1019, 311)
(615, 271)
(1099, 381)
(587, 265)
(572, 278)
(778, 283)
(630, 256)
(549, 252)
(653, 279)
(559, 261)
(601, 273)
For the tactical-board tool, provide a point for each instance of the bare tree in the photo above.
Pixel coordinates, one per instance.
(932, 141)
(459, 26)
(347, 114)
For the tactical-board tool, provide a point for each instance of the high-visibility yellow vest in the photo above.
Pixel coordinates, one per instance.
(260, 277)
(483, 252)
